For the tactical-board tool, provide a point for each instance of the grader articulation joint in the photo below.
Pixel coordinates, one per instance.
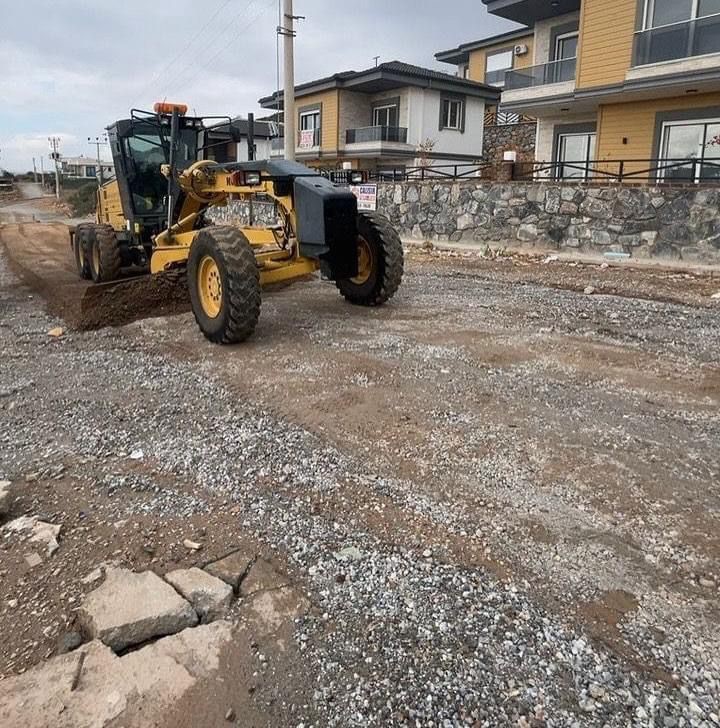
(153, 215)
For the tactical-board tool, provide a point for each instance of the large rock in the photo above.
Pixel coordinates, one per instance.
(209, 596)
(233, 568)
(129, 609)
(4, 497)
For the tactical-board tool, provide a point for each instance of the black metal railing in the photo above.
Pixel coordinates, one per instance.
(366, 134)
(432, 172)
(546, 73)
(623, 171)
(413, 174)
(676, 41)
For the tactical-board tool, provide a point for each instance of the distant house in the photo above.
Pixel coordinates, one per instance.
(390, 117)
(85, 168)
(222, 146)
(488, 61)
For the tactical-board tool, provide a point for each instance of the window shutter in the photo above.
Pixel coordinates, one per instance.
(463, 104)
(441, 124)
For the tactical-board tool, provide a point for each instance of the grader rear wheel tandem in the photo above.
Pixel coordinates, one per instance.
(105, 259)
(80, 245)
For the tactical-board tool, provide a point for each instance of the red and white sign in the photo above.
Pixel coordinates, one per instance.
(367, 196)
(307, 139)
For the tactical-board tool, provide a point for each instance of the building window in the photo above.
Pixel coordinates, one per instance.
(90, 172)
(309, 120)
(575, 152)
(309, 128)
(690, 151)
(496, 65)
(451, 115)
(566, 46)
(386, 115)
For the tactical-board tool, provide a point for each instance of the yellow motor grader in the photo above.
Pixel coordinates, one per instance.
(153, 215)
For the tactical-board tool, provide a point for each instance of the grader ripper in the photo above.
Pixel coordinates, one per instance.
(153, 215)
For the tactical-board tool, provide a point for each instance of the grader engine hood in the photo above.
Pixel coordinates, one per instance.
(327, 225)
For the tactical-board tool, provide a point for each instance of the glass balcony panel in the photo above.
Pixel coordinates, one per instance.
(675, 42)
(553, 72)
(397, 134)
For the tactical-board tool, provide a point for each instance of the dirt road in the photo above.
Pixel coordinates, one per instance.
(528, 477)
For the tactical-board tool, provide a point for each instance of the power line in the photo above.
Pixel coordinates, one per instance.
(206, 63)
(177, 76)
(159, 74)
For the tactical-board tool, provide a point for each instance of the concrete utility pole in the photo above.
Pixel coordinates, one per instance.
(54, 143)
(287, 30)
(98, 142)
(34, 171)
(42, 173)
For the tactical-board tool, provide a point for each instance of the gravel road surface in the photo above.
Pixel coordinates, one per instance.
(499, 494)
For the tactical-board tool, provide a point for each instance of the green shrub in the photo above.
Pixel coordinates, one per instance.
(83, 200)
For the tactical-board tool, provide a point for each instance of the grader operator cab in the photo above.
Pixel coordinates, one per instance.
(152, 215)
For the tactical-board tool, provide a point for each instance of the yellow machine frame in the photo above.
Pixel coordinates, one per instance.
(206, 183)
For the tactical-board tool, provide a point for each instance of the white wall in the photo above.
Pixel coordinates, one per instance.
(546, 133)
(423, 118)
(263, 147)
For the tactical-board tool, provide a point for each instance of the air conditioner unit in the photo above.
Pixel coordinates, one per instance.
(521, 50)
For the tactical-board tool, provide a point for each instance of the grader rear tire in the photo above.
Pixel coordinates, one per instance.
(224, 283)
(81, 245)
(381, 262)
(104, 252)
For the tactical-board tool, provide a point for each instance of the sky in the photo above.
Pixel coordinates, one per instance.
(72, 67)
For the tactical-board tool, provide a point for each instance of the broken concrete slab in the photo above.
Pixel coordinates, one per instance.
(262, 577)
(130, 608)
(33, 559)
(197, 650)
(43, 696)
(4, 497)
(233, 568)
(40, 531)
(209, 595)
(136, 689)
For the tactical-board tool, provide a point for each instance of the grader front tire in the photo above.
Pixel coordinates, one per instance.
(224, 284)
(381, 262)
(105, 259)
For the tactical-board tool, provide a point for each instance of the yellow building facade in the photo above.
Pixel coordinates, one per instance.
(619, 86)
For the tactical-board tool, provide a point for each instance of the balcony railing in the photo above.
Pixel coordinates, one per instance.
(553, 72)
(679, 40)
(623, 171)
(495, 78)
(377, 134)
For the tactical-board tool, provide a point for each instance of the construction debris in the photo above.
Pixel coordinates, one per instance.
(232, 568)
(209, 596)
(129, 609)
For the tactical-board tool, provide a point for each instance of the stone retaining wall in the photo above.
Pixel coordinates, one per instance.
(675, 222)
(520, 138)
(670, 222)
